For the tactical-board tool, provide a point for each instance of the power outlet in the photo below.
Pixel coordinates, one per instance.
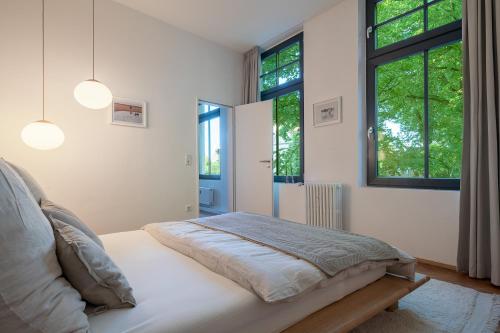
(189, 208)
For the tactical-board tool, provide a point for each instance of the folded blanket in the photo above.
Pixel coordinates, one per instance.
(271, 274)
(330, 250)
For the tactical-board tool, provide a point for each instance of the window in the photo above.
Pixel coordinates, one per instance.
(282, 81)
(209, 141)
(414, 93)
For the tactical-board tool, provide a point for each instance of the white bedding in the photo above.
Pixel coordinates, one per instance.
(251, 265)
(175, 294)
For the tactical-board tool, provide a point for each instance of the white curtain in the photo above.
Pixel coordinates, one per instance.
(251, 71)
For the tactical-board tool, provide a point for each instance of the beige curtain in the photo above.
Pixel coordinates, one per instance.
(251, 64)
(479, 232)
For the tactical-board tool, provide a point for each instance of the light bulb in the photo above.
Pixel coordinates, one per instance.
(93, 94)
(42, 135)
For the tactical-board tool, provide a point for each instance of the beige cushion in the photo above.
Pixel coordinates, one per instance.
(90, 270)
(64, 215)
(35, 189)
(34, 297)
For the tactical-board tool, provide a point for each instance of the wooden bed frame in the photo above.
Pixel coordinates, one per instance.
(360, 306)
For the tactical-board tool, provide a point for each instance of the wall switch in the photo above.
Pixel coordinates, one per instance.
(189, 208)
(188, 159)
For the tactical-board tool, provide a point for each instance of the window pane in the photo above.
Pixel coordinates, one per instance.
(287, 117)
(387, 9)
(445, 111)
(289, 73)
(215, 146)
(400, 117)
(269, 64)
(444, 12)
(400, 29)
(268, 81)
(289, 54)
(203, 144)
(203, 108)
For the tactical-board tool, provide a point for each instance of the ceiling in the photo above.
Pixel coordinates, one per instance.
(237, 24)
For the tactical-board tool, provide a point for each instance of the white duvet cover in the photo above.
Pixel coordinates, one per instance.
(271, 274)
(176, 294)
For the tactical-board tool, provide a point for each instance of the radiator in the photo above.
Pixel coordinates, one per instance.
(324, 205)
(206, 196)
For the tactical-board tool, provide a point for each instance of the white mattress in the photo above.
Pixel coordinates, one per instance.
(176, 294)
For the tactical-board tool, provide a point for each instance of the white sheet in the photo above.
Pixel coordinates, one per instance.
(175, 294)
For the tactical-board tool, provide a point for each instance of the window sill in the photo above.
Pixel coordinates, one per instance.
(289, 179)
(415, 183)
(210, 177)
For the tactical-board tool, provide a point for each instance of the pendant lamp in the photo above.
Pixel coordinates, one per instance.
(42, 134)
(91, 93)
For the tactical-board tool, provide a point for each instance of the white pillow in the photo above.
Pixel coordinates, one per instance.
(34, 297)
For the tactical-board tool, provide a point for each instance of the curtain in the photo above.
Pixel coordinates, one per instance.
(251, 63)
(479, 231)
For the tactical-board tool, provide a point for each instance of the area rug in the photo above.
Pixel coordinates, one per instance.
(438, 307)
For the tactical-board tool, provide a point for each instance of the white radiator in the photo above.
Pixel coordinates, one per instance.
(206, 196)
(324, 205)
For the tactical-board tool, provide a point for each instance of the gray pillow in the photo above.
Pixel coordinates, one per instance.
(35, 189)
(34, 297)
(64, 215)
(90, 270)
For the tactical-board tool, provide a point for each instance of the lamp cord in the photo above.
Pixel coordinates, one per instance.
(93, 39)
(43, 59)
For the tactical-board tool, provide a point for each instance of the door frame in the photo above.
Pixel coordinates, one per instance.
(230, 152)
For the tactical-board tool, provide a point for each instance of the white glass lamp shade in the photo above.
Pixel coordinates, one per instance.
(93, 94)
(42, 135)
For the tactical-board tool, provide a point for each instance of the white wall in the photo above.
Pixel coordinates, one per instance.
(422, 222)
(115, 178)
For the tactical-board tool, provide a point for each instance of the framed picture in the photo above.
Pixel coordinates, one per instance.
(128, 112)
(328, 112)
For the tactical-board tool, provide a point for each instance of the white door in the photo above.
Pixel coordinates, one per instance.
(253, 158)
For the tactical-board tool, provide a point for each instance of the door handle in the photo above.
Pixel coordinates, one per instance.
(265, 161)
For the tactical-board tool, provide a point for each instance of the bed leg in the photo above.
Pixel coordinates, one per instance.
(393, 307)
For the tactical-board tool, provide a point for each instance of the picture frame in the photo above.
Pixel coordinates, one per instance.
(129, 112)
(327, 112)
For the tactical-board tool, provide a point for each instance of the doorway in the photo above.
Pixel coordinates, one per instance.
(215, 158)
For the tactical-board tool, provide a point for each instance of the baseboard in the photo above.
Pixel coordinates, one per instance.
(437, 264)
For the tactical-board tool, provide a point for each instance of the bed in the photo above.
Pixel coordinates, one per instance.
(235, 272)
(176, 293)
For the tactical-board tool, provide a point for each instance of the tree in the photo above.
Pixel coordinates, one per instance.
(400, 96)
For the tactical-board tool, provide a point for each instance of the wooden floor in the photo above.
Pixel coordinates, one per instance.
(448, 275)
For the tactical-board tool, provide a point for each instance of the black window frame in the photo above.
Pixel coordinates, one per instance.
(429, 39)
(284, 89)
(202, 117)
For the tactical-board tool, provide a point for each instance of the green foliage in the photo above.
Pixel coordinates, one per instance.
(289, 73)
(445, 111)
(268, 81)
(439, 14)
(403, 28)
(212, 167)
(444, 12)
(400, 117)
(389, 8)
(287, 127)
(289, 54)
(400, 96)
(269, 64)
(280, 68)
